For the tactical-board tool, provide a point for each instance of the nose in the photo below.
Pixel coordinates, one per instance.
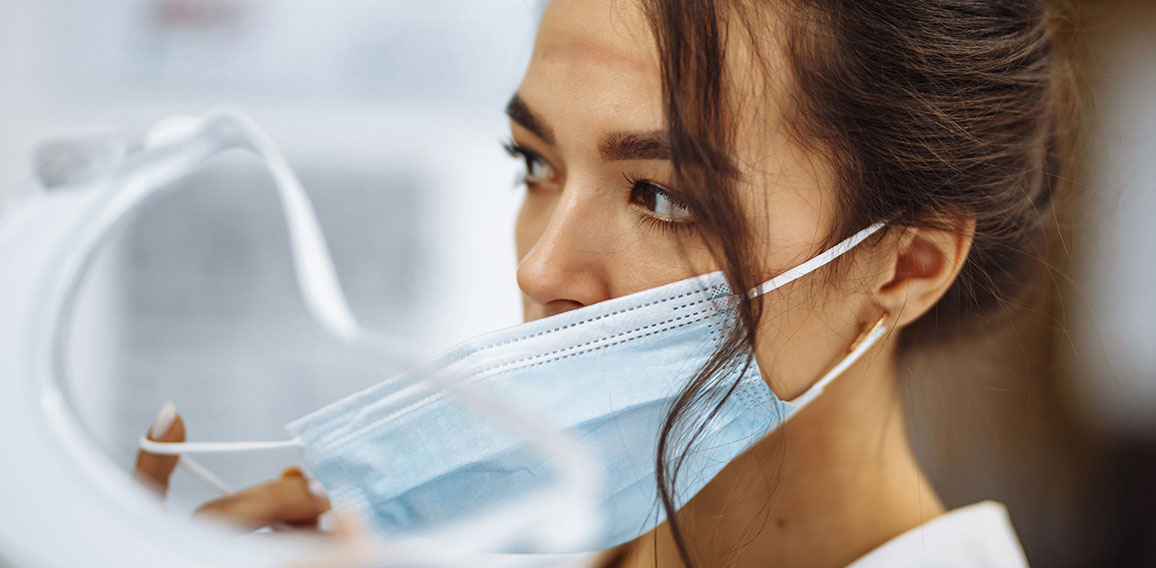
(567, 266)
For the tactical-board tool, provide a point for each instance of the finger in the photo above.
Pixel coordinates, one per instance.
(291, 499)
(154, 470)
(294, 471)
(352, 546)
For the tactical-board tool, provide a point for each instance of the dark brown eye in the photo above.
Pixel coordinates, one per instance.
(659, 201)
(538, 170)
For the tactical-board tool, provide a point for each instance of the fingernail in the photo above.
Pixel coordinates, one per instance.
(326, 522)
(164, 421)
(317, 489)
(292, 471)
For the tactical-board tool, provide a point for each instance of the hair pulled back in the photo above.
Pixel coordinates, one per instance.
(930, 112)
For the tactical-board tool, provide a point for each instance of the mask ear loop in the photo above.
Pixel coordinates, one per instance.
(858, 348)
(865, 340)
(203, 473)
(816, 262)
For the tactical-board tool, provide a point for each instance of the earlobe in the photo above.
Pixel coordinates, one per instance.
(923, 266)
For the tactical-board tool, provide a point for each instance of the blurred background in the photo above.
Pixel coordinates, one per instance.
(391, 114)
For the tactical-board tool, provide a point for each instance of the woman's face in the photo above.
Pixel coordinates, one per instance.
(601, 217)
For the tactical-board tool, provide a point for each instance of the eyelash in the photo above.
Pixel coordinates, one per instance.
(660, 223)
(525, 154)
(632, 184)
(680, 228)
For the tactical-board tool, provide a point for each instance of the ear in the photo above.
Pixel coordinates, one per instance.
(921, 269)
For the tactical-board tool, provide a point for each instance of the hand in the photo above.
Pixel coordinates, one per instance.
(292, 499)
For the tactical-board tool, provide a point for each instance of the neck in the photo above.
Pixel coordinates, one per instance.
(836, 481)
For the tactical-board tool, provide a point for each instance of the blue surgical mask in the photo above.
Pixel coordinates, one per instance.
(409, 455)
(576, 400)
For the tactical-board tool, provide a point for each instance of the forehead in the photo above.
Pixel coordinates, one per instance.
(594, 66)
(602, 54)
(595, 69)
(611, 34)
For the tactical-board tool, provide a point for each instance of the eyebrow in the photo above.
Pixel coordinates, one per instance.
(618, 146)
(517, 110)
(636, 146)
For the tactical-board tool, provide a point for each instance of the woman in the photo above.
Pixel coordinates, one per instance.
(664, 139)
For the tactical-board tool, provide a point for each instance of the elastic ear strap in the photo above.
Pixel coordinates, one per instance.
(177, 448)
(202, 473)
(817, 389)
(817, 262)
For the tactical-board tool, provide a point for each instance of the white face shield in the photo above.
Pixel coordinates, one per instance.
(47, 245)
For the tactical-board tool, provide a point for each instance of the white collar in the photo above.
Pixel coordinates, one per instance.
(975, 535)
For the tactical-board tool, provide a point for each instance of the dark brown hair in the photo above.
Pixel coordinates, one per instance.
(929, 112)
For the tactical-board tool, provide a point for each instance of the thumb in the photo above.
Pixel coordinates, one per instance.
(154, 470)
(353, 546)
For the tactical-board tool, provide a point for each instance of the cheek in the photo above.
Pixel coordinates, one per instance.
(806, 329)
(795, 339)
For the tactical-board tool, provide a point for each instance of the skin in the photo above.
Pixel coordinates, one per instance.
(840, 478)
(285, 500)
